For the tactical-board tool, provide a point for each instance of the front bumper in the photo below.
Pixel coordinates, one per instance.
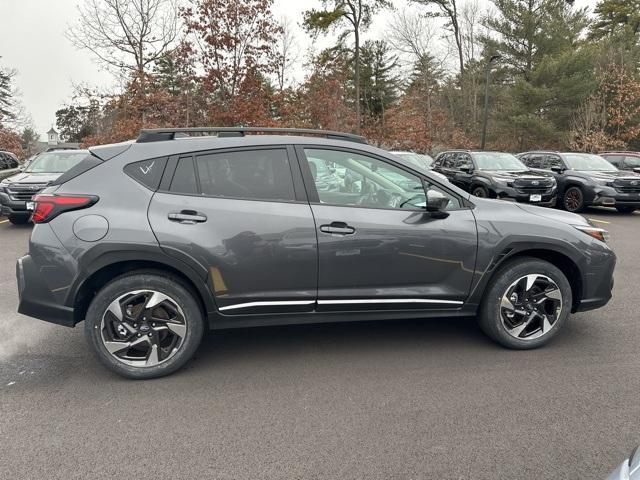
(597, 281)
(610, 197)
(12, 207)
(36, 299)
(548, 197)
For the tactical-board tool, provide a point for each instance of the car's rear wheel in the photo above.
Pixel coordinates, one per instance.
(573, 200)
(18, 219)
(624, 209)
(526, 305)
(144, 325)
(480, 191)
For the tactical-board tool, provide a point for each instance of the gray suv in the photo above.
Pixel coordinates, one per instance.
(153, 241)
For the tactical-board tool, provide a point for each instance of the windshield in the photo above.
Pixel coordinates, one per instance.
(588, 162)
(498, 161)
(55, 162)
(419, 160)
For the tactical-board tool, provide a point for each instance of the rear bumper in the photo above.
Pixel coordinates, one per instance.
(36, 299)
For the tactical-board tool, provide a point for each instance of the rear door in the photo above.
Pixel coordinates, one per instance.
(243, 215)
(378, 248)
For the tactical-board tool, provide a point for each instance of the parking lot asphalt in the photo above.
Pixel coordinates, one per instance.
(399, 399)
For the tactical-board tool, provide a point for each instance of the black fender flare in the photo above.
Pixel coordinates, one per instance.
(106, 254)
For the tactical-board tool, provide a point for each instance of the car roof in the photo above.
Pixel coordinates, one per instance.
(188, 145)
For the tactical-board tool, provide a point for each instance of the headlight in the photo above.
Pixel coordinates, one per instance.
(595, 232)
(599, 181)
(501, 181)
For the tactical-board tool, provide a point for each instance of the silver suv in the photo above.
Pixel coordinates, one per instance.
(151, 242)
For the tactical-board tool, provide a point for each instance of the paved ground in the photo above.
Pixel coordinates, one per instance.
(420, 399)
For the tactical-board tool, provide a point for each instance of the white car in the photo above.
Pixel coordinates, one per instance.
(420, 160)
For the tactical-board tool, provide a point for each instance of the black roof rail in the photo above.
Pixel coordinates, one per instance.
(162, 134)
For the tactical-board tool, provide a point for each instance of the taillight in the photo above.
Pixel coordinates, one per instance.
(49, 206)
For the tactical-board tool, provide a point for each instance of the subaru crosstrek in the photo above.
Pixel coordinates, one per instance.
(153, 241)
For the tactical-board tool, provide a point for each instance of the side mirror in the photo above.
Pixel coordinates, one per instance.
(557, 169)
(436, 205)
(466, 168)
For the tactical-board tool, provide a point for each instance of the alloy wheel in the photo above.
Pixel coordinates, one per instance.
(143, 328)
(530, 307)
(480, 192)
(573, 199)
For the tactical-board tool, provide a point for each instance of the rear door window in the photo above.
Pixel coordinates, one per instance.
(184, 178)
(251, 174)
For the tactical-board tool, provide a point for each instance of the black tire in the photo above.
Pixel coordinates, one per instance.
(624, 209)
(573, 200)
(18, 219)
(480, 192)
(158, 281)
(491, 315)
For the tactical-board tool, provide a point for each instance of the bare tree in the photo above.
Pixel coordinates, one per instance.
(128, 35)
(411, 34)
(448, 9)
(289, 53)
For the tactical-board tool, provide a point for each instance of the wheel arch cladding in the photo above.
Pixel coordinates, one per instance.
(562, 261)
(103, 275)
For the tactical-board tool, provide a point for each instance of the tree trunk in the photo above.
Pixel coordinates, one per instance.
(357, 72)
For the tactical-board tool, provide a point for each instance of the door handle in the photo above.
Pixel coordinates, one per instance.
(338, 228)
(188, 217)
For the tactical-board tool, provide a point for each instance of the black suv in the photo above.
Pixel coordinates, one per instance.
(585, 179)
(16, 191)
(496, 175)
(8, 164)
(151, 242)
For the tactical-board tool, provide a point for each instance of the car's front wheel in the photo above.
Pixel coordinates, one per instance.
(573, 200)
(480, 191)
(526, 304)
(144, 324)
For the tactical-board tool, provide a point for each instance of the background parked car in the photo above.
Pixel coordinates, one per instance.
(623, 160)
(587, 180)
(9, 164)
(16, 191)
(420, 160)
(496, 175)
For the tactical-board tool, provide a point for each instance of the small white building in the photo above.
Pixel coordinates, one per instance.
(53, 141)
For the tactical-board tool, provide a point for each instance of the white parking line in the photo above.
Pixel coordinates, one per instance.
(4, 221)
(599, 221)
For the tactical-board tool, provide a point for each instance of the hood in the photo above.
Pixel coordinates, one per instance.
(610, 176)
(513, 175)
(24, 177)
(561, 216)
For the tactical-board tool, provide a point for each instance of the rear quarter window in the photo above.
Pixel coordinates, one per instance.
(147, 172)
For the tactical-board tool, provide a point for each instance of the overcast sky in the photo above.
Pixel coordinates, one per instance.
(32, 41)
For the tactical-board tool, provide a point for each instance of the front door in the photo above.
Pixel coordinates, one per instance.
(378, 248)
(238, 215)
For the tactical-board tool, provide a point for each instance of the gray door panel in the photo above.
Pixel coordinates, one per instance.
(261, 256)
(390, 254)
